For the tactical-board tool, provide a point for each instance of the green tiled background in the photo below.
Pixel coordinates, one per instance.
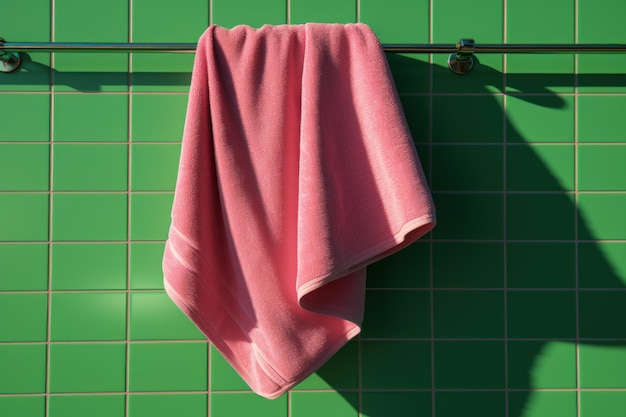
(513, 307)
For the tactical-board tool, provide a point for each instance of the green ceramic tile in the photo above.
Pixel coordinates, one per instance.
(597, 21)
(34, 74)
(229, 13)
(541, 314)
(28, 327)
(24, 167)
(555, 23)
(29, 115)
(90, 117)
(467, 168)
(385, 404)
(154, 316)
(600, 314)
(408, 268)
(396, 314)
(158, 117)
(602, 265)
(248, 404)
(150, 216)
(88, 316)
(91, 405)
(602, 403)
(87, 367)
(90, 167)
(89, 266)
(340, 372)
(23, 406)
(541, 364)
(160, 22)
(90, 72)
(602, 73)
(397, 21)
(154, 167)
(395, 365)
(541, 265)
(542, 404)
(21, 11)
(602, 168)
(540, 118)
(23, 369)
(147, 405)
(25, 217)
(101, 22)
(89, 217)
(603, 366)
(328, 11)
(540, 74)
(540, 168)
(468, 265)
(601, 216)
(23, 267)
(146, 272)
(600, 118)
(184, 370)
(469, 216)
(411, 73)
(314, 404)
(223, 376)
(468, 314)
(484, 404)
(469, 365)
(486, 17)
(161, 72)
(482, 115)
(540, 217)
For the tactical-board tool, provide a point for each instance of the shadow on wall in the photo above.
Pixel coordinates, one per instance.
(36, 73)
(558, 293)
(492, 343)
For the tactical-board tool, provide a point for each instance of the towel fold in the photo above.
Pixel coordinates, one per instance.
(297, 170)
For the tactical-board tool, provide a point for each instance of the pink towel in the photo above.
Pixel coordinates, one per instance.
(297, 170)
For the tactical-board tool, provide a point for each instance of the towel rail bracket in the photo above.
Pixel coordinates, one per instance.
(9, 61)
(462, 61)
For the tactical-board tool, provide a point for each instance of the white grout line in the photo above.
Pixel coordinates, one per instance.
(504, 216)
(431, 262)
(576, 228)
(50, 212)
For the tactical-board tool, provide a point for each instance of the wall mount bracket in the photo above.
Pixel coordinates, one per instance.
(9, 61)
(462, 61)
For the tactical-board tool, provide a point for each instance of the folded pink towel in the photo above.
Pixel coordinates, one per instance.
(297, 170)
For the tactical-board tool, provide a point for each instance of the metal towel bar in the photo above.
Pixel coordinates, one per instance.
(460, 60)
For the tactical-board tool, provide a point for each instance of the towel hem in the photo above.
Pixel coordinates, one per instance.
(370, 255)
(283, 384)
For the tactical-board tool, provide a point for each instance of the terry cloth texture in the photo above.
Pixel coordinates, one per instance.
(297, 170)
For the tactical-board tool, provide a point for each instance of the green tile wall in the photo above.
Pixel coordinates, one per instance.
(513, 307)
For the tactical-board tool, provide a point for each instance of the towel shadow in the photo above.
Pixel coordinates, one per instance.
(559, 295)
